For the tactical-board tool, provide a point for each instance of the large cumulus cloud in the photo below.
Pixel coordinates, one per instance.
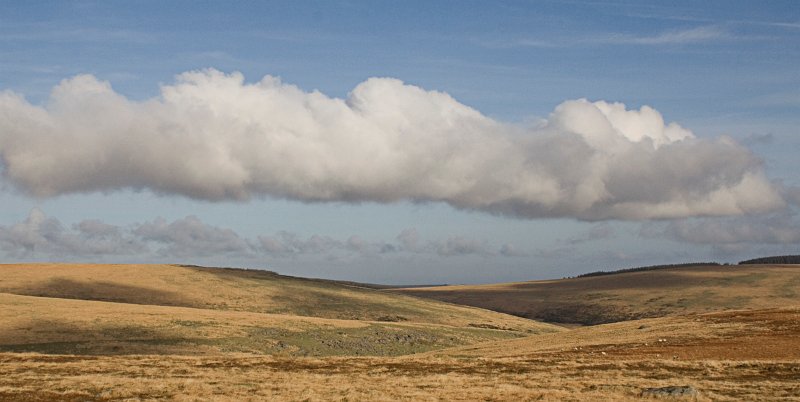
(212, 136)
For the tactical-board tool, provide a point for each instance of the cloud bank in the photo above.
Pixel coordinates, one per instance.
(731, 233)
(41, 235)
(46, 235)
(212, 136)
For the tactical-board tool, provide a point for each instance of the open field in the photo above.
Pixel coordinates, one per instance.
(104, 333)
(631, 295)
(711, 353)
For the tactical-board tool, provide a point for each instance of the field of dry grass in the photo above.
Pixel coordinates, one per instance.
(103, 333)
(49, 325)
(238, 290)
(234, 378)
(632, 295)
(94, 309)
(724, 357)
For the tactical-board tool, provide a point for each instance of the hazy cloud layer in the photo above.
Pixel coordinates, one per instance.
(189, 237)
(792, 195)
(212, 136)
(679, 37)
(40, 234)
(287, 243)
(596, 232)
(733, 233)
(689, 36)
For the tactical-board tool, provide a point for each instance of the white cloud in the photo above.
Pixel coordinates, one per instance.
(42, 235)
(685, 36)
(731, 233)
(286, 243)
(191, 237)
(409, 240)
(283, 244)
(701, 34)
(212, 136)
(459, 245)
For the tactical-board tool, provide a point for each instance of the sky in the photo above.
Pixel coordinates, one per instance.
(400, 142)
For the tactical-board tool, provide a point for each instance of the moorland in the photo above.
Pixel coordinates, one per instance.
(83, 332)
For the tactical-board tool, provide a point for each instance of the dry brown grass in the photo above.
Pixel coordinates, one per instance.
(166, 309)
(39, 377)
(242, 290)
(64, 326)
(729, 335)
(633, 295)
(90, 350)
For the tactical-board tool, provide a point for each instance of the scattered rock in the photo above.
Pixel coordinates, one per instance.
(391, 318)
(671, 391)
(485, 326)
(643, 326)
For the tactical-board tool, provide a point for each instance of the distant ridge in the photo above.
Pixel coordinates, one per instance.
(650, 268)
(376, 286)
(780, 259)
(648, 292)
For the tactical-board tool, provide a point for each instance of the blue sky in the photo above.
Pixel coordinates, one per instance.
(716, 68)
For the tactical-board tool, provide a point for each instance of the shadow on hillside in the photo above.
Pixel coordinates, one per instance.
(195, 338)
(626, 296)
(63, 337)
(102, 291)
(322, 298)
(643, 280)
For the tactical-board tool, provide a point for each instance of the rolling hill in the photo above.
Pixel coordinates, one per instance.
(727, 356)
(129, 309)
(631, 295)
(74, 332)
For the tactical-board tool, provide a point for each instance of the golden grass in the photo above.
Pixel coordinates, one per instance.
(242, 290)
(39, 377)
(215, 339)
(633, 295)
(736, 335)
(51, 325)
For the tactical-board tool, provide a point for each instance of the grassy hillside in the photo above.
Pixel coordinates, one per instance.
(632, 295)
(729, 335)
(150, 332)
(731, 356)
(165, 309)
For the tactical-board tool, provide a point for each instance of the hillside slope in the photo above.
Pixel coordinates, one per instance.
(165, 309)
(730, 356)
(760, 334)
(149, 332)
(240, 290)
(632, 295)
